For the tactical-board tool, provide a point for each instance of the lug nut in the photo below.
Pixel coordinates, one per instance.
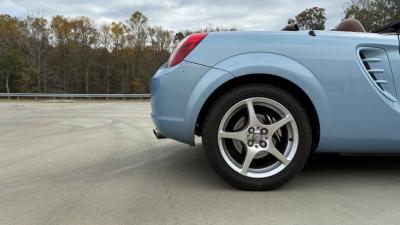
(251, 130)
(263, 144)
(264, 131)
(250, 143)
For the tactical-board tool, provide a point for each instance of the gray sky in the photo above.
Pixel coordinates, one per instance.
(181, 14)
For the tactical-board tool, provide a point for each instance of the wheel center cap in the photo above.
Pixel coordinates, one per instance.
(257, 137)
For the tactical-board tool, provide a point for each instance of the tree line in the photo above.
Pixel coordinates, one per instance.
(75, 55)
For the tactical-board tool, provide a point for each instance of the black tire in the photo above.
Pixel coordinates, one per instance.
(217, 112)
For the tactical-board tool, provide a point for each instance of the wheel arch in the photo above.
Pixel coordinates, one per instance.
(278, 81)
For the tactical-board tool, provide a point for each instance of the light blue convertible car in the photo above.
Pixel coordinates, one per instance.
(263, 102)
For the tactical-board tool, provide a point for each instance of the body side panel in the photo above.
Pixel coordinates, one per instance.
(354, 115)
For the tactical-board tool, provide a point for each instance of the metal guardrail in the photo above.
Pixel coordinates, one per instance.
(72, 96)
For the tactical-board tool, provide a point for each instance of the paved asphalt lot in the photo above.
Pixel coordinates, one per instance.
(98, 163)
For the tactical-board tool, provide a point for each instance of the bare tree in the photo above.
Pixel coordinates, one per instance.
(38, 45)
(105, 41)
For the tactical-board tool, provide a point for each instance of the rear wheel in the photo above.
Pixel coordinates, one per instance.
(257, 137)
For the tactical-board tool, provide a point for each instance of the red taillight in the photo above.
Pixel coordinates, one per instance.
(184, 48)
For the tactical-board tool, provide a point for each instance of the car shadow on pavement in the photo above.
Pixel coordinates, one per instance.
(354, 162)
(327, 171)
(190, 166)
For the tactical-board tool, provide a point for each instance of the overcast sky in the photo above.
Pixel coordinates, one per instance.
(181, 14)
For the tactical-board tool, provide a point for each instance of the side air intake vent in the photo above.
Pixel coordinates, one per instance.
(376, 64)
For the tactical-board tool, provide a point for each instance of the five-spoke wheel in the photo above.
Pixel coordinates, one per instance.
(267, 129)
(257, 137)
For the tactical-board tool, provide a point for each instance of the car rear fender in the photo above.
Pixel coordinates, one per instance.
(268, 64)
(210, 82)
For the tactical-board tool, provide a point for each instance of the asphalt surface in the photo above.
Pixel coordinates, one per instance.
(98, 163)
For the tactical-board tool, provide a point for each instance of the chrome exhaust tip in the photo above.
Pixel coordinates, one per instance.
(158, 134)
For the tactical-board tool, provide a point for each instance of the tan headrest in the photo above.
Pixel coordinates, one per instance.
(350, 25)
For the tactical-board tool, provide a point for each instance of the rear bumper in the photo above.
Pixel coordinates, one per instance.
(171, 89)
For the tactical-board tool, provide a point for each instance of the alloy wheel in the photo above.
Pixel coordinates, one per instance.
(258, 137)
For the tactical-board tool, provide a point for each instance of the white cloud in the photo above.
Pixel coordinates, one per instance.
(181, 14)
